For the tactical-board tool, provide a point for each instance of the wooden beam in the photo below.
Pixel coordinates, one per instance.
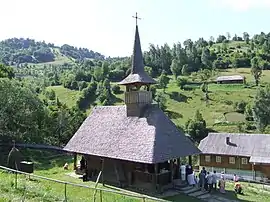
(190, 160)
(171, 169)
(253, 173)
(178, 168)
(75, 161)
(156, 176)
(102, 167)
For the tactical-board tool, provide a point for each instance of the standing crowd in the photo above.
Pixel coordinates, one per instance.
(205, 180)
(208, 181)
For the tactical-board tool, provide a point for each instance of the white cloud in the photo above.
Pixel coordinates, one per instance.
(241, 5)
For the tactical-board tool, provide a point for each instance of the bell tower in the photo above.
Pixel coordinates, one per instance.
(138, 93)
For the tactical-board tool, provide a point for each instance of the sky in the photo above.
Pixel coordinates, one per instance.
(107, 26)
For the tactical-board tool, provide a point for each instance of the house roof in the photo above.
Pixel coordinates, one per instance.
(137, 74)
(256, 146)
(230, 78)
(259, 159)
(152, 138)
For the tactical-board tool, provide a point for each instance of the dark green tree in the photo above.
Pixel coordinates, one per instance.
(196, 128)
(261, 108)
(256, 69)
(163, 80)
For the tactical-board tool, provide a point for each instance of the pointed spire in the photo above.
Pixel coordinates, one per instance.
(137, 57)
(137, 74)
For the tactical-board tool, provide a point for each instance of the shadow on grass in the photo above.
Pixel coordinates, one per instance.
(173, 115)
(179, 97)
(230, 194)
(177, 197)
(46, 159)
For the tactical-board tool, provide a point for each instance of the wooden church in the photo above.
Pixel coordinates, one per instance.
(136, 144)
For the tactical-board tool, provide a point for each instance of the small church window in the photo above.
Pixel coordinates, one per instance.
(244, 161)
(231, 160)
(218, 159)
(207, 158)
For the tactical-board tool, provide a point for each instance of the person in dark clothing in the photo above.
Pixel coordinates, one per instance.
(202, 180)
(82, 163)
(215, 180)
(203, 170)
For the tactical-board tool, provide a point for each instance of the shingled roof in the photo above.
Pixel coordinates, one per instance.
(137, 74)
(230, 78)
(256, 146)
(152, 138)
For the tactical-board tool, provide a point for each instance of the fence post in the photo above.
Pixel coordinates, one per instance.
(16, 178)
(143, 199)
(65, 192)
(100, 195)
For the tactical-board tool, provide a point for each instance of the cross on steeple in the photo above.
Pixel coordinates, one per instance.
(136, 17)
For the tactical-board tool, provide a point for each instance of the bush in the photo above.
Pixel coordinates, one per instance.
(250, 126)
(240, 106)
(116, 89)
(181, 82)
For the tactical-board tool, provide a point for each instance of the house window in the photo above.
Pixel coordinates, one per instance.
(231, 160)
(207, 158)
(244, 161)
(218, 159)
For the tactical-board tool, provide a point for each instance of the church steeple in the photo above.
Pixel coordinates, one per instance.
(137, 74)
(135, 97)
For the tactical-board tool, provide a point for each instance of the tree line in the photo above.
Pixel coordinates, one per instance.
(56, 123)
(16, 51)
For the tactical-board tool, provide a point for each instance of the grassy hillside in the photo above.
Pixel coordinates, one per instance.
(182, 104)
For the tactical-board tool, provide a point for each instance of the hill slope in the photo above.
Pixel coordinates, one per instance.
(15, 51)
(181, 105)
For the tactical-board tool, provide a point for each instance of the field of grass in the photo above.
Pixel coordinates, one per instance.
(252, 192)
(35, 189)
(65, 95)
(182, 104)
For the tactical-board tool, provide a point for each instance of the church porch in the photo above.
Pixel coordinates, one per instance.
(152, 177)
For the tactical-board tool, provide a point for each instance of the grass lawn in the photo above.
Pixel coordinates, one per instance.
(252, 192)
(41, 190)
(235, 117)
(65, 95)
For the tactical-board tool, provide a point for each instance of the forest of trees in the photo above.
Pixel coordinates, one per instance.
(31, 113)
(16, 51)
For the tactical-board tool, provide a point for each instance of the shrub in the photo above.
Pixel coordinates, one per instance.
(240, 106)
(181, 82)
(250, 126)
(116, 89)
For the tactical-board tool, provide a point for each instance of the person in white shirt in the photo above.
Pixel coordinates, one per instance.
(214, 176)
(209, 181)
(183, 172)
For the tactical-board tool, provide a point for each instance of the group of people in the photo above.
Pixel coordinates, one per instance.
(187, 174)
(206, 180)
(209, 181)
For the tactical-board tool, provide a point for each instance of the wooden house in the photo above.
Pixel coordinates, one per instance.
(246, 155)
(230, 79)
(132, 144)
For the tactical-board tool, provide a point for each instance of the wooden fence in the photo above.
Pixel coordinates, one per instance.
(96, 189)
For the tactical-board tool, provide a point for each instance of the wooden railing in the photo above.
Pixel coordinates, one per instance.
(32, 176)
